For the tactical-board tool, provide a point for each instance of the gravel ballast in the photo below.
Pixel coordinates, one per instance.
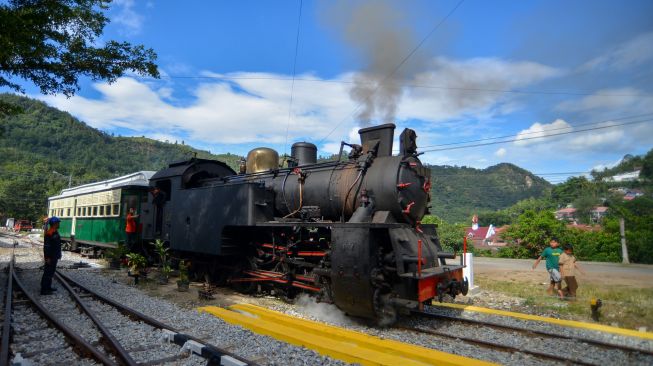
(266, 350)
(261, 349)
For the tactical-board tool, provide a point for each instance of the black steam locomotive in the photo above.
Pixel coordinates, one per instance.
(347, 231)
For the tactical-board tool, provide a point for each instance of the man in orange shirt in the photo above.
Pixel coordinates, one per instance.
(130, 228)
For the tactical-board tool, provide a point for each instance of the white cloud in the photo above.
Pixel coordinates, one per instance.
(631, 53)
(598, 140)
(617, 99)
(472, 87)
(245, 108)
(127, 17)
(601, 167)
(501, 152)
(256, 112)
(533, 134)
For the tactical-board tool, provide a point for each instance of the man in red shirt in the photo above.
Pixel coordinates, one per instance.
(130, 228)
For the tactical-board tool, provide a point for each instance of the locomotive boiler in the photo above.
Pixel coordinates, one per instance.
(348, 231)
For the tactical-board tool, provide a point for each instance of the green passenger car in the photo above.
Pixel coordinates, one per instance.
(95, 213)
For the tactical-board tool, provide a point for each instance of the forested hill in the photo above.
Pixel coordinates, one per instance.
(42, 139)
(459, 192)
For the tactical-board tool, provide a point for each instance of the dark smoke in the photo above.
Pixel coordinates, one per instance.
(378, 31)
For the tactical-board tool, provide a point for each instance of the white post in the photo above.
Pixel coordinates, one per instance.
(624, 248)
(468, 272)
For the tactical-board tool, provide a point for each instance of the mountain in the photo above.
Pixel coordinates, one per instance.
(628, 164)
(457, 193)
(42, 140)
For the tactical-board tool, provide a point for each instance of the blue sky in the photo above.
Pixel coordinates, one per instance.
(492, 68)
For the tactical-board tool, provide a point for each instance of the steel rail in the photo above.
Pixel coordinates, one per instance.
(77, 341)
(6, 324)
(135, 314)
(534, 331)
(500, 346)
(109, 338)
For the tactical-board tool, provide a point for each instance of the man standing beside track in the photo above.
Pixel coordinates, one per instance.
(552, 254)
(51, 255)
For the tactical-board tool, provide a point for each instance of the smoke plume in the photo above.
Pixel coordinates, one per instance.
(378, 31)
(321, 311)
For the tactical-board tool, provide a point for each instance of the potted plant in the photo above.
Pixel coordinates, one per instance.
(137, 265)
(115, 255)
(183, 282)
(165, 269)
(164, 274)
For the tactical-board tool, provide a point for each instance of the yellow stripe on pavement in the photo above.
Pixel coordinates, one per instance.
(562, 322)
(339, 343)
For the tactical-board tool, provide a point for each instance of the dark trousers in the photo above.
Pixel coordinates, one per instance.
(48, 273)
(572, 286)
(131, 241)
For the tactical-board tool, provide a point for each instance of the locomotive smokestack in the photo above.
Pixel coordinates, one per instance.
(382, 134)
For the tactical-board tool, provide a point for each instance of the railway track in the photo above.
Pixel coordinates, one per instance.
(632, 354)
(78, 326)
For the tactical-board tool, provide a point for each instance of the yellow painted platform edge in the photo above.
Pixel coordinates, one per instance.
(563, 322)
(425, 354)
(317, 343)
(259, 323)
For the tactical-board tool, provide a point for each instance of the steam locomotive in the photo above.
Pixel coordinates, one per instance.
(348, 231)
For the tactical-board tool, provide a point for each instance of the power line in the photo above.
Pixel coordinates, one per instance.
(538, 137)
(409, 85)
(410, 54)
(294, 68)
(536, 132)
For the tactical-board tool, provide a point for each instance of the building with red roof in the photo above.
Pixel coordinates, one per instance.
(480, 239)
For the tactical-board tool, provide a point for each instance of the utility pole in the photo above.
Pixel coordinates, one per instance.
(624, 248)
(70, 177)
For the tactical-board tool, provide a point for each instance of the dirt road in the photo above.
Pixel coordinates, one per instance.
(632, 275)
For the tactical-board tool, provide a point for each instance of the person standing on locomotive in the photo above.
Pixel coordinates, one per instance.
(51, 255)
(130, 228)
(158, 199)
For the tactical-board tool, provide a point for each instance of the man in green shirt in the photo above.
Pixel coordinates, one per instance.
(552, 254)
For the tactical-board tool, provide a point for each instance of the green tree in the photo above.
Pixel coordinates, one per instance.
(638, 217)
(584, 205)
(533, 230)
(647, 166)
(565, 193)
(451, 235)
(53, 43)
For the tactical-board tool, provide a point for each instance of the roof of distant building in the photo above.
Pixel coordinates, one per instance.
(600, 209)
(481, 232)
(584, 227)
(566, 210)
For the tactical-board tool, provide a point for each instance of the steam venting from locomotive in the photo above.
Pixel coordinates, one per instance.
(378, 31)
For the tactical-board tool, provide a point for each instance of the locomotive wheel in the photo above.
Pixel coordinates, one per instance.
(441, 288)
(465, 287)
(247, 264)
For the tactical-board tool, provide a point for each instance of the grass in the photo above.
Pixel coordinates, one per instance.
(622, 306)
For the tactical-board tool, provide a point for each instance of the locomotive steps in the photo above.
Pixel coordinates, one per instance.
(336, 342)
